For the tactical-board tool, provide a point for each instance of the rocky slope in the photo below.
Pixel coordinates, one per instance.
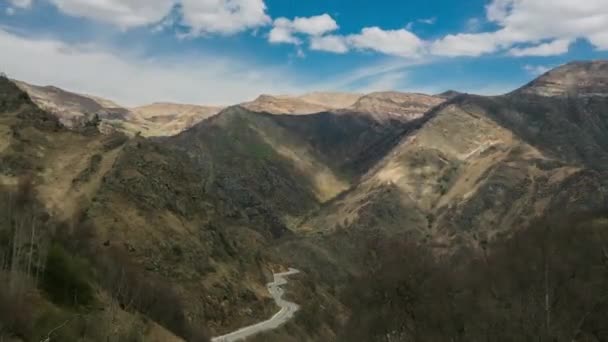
(482, 166)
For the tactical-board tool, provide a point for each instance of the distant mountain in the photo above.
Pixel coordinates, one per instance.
(157, 119)
(395, 105)
(171, 118)
(305, 104)
(73, 109)
(380, 105)
(331, 100)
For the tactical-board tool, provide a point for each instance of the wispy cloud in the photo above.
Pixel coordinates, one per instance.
(133, 79)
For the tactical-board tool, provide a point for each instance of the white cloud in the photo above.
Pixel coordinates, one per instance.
(122, 13)
(331, 43)
(10, 11)
(21, 3)
(401, 42)
(464, 44)
(556, 47)
(201, 16)
(285, 30)
(536, 70)
(525, 28)
(282, 33)
(224, 16)
(600, 40)
(531, 22)
(132, 79)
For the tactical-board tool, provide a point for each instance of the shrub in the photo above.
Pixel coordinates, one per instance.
(66, 278)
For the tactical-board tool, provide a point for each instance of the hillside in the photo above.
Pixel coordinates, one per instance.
(205, 211)
(316, 156)
(481, 166)
(136, 205)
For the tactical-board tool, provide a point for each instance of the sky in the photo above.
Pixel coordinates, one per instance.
(220, 52)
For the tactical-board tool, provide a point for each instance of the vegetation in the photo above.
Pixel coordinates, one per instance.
(66, 278)
(546, 283)
(51, 275)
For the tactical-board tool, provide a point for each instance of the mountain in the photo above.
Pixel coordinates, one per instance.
(449, 94)
(171, 118)
(481, 166)
(330, 100)
(395, 105)
(73, 109)
(157, 119)
(184, 228)
(305, 104)
(147, 209)
(574, 79)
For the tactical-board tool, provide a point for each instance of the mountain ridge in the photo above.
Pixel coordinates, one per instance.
(212, 211)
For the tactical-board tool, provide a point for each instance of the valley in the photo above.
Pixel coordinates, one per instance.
(396, 207)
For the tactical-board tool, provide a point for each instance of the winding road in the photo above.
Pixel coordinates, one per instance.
(288, 310)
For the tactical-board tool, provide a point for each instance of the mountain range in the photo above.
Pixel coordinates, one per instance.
(209, 201)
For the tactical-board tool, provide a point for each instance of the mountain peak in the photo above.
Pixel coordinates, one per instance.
(583, 78)
(449, 94)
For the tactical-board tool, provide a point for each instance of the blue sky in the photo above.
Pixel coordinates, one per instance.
(228, 51)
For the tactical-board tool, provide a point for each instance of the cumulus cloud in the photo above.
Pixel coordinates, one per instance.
(522, 27)
(133, 79)
(331, 43)
(201, 16)
(282, 33)
(532, 22)
(525, 28)
(122, 13)
(464, 44)
(401, 42)
(286, 31)
(224, 16)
